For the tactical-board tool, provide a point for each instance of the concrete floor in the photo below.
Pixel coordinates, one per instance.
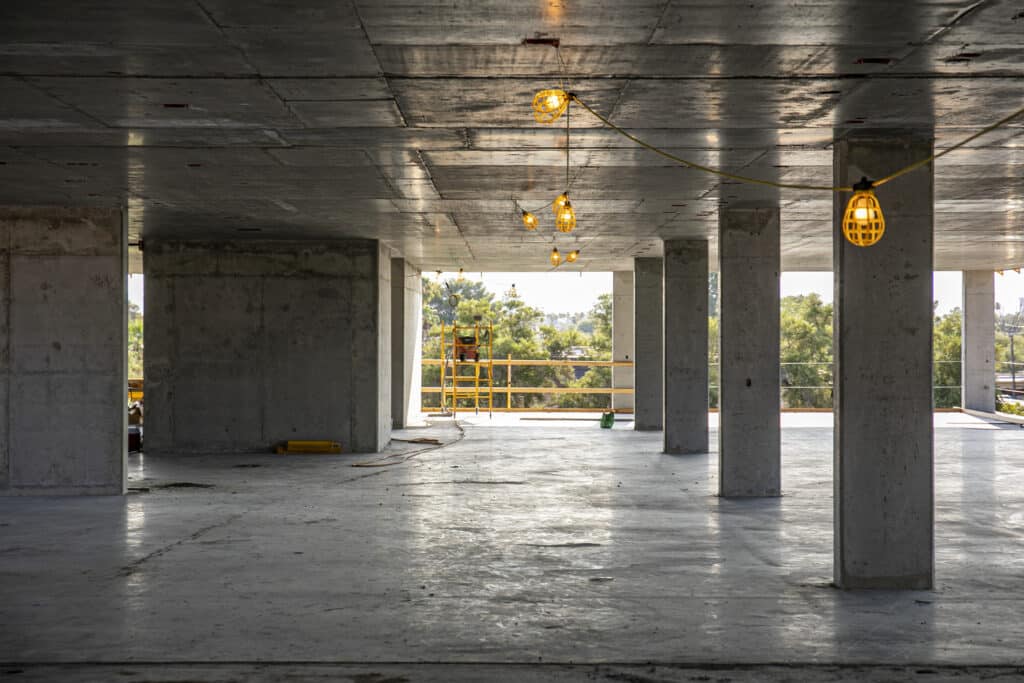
(529, 550)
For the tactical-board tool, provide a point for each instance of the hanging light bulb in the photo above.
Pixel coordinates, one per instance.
(863, 222)
(572, 256)
(556, 258)
(565, 219)
(560, 201)
(512, 293)
(549, 105)
(529, 220)
(461, 275)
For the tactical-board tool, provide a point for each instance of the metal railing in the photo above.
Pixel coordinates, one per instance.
(507, 390)
(798, 396)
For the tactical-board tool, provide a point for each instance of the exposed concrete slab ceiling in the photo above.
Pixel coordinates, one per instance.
(409, 120)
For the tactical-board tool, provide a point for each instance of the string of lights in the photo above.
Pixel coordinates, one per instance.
(863, 220)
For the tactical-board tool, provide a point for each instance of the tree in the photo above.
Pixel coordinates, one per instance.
(805, 344)
(135, 341)
(946, 355)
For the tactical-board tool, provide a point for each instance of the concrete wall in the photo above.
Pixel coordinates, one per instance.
(252, 343)
(62, 351)
(622, 335)
(406, 342)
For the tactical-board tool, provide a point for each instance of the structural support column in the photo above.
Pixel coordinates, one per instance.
(686, 350)
(406, 342)
(978, 342)
(622, 336)
(883, 470)
(749, 449)
(648, 341)
(63, 326)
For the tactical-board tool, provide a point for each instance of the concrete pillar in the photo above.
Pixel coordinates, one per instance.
(406, 343)
(622, 336)
(749, 447)
(978, 342)
(883, 470)
(63, 330)
(686, 346)
(251, 343)
(648, 345)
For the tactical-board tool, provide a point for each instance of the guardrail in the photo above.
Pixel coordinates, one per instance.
(508, 390)
(816, 397)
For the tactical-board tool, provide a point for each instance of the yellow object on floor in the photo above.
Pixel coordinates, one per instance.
(308, 447)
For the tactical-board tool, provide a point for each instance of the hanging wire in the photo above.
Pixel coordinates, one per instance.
(706, 169)
(918, 164)
(568, 108)
(796, 186)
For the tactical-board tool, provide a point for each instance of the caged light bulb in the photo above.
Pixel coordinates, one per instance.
(863, 221)
(565, 219)
(529, 220)
(549, 105)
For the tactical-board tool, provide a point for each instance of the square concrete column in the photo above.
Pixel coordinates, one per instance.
(63, 359)
(749, 447)
(406, 342)
(883, 469)
(648, 345)
(686, 346)
(978, 342)
(253, 342)
(622, 336)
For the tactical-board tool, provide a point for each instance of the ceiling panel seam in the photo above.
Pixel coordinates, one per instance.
(376, 58)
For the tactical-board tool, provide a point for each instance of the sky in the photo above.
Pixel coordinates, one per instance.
(578, 291)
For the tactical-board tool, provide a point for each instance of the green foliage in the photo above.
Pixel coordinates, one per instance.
(135, 342)
(805, 345)
(1008, 407)
(520, 333)
(946, 337)
(523, 332)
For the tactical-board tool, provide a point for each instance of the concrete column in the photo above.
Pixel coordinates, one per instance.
(406, 343)
(749, 447)
(686, 346)
(883, 470)
(978, 342)
(63, 330)
(251, 343)
(648, 399)
(622, 336)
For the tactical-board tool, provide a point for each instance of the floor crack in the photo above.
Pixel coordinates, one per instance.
(131, 568)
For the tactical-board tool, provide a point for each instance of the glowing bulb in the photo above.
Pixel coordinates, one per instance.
(560, 201)
(863, 222)
(549, 105)
(512, 293)
(529, 220)
(565, 220)
(572, 256)
(556, 258)
(461, 275)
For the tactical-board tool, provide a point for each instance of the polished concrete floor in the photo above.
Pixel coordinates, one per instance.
(527, 550)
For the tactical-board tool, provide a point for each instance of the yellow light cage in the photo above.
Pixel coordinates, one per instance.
(863, 222)
(549, 105)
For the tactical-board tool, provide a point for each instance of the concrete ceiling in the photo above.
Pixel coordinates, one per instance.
(409, 120)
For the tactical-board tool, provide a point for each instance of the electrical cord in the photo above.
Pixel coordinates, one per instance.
(794, 186)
